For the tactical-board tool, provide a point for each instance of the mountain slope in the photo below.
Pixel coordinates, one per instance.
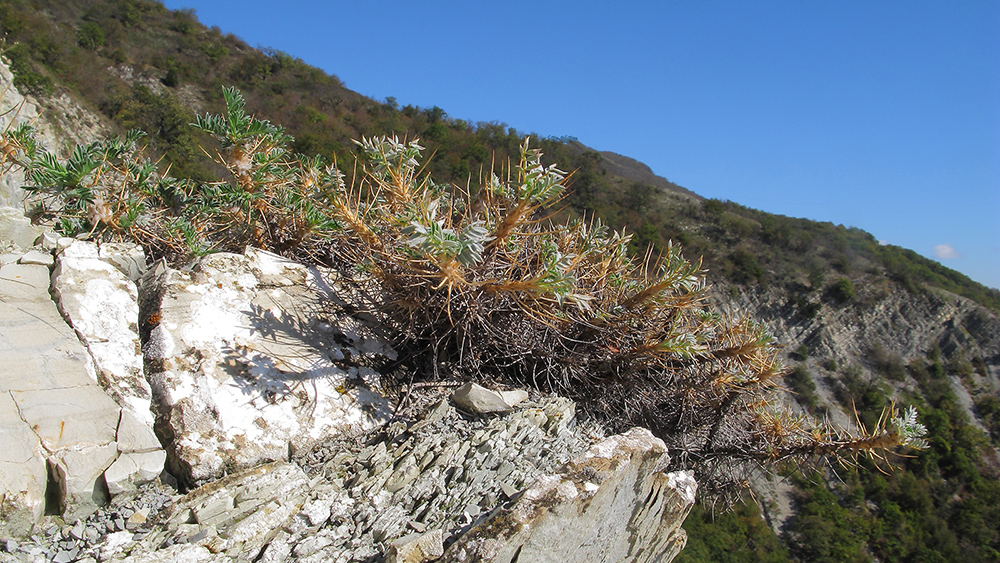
(862, 323)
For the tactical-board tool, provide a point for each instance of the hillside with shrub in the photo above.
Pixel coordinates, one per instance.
(141, 66)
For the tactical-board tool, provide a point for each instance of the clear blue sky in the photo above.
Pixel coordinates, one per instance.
(877, 114)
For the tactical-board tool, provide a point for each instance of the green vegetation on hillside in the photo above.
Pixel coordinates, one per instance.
(143, 66)
(942, 504)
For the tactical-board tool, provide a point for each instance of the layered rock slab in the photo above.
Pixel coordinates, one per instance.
(61, 431)
(247, 363)
(50, 382)
(614, 503)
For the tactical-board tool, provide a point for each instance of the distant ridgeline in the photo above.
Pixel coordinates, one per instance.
(159, 68)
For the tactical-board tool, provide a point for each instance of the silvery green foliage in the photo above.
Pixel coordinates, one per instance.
(236, 127)
(389, 155)
(540, 184)
(431, 237)
(911, 432)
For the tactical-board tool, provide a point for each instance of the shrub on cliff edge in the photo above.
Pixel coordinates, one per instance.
(474, 283)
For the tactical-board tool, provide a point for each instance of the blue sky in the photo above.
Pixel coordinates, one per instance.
(882, 115)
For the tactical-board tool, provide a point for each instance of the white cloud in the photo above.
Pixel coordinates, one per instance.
(946, 251)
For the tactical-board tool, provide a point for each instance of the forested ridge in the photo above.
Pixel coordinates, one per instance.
(142, 66)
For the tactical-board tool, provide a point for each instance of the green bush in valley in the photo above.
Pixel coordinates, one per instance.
(842, 290)
(90, 36)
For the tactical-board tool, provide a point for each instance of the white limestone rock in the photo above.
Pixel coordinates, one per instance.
(247, 365)
(101, 304)
(16, 229)
(127, 257)
(37, 257)
(416, 548)
(69, 417)
(77, 473)
(132, 469)
(23, 474)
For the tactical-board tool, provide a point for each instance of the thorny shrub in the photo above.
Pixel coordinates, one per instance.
(474, 284)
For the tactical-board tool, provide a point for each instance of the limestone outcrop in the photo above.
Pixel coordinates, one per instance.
(65, 440)
(260, 385)
(249, 361)
(613, 503)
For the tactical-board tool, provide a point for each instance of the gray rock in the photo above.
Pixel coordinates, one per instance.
(69, 417)
(78, 475)
(127, 257)
(37, 257)
(16, 229)
(477, 399)
(239, 514)
(23, 474)
(416, 548)
(515, 397)
(614, 503)
(132, 469)
(49, 240)
(133, 436)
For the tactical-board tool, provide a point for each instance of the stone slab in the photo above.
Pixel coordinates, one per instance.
(613, 503)
(131, 469)
(70, 416)
(37, 257)
(134, 436)
(477, 399)
(17, 229)
(39, 350)
(79, 473)
(23, 474)
(24, 282)
(101, 304)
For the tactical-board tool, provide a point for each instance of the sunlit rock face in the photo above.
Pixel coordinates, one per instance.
(247, 362)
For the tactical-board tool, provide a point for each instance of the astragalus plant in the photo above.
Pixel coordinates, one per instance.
(475, 283)
(482, 284)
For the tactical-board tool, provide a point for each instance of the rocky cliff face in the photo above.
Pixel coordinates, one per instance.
(882, 320)
(60, 122)
(902, 323)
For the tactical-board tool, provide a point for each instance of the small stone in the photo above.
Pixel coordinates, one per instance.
(77, 531)
(514, 398)
(477, 399)
(120, 524)
(64, 557)
(37, 257)
(48, 240)
(508, 489)
(417, 526)
(416, 548)
(137, 519)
